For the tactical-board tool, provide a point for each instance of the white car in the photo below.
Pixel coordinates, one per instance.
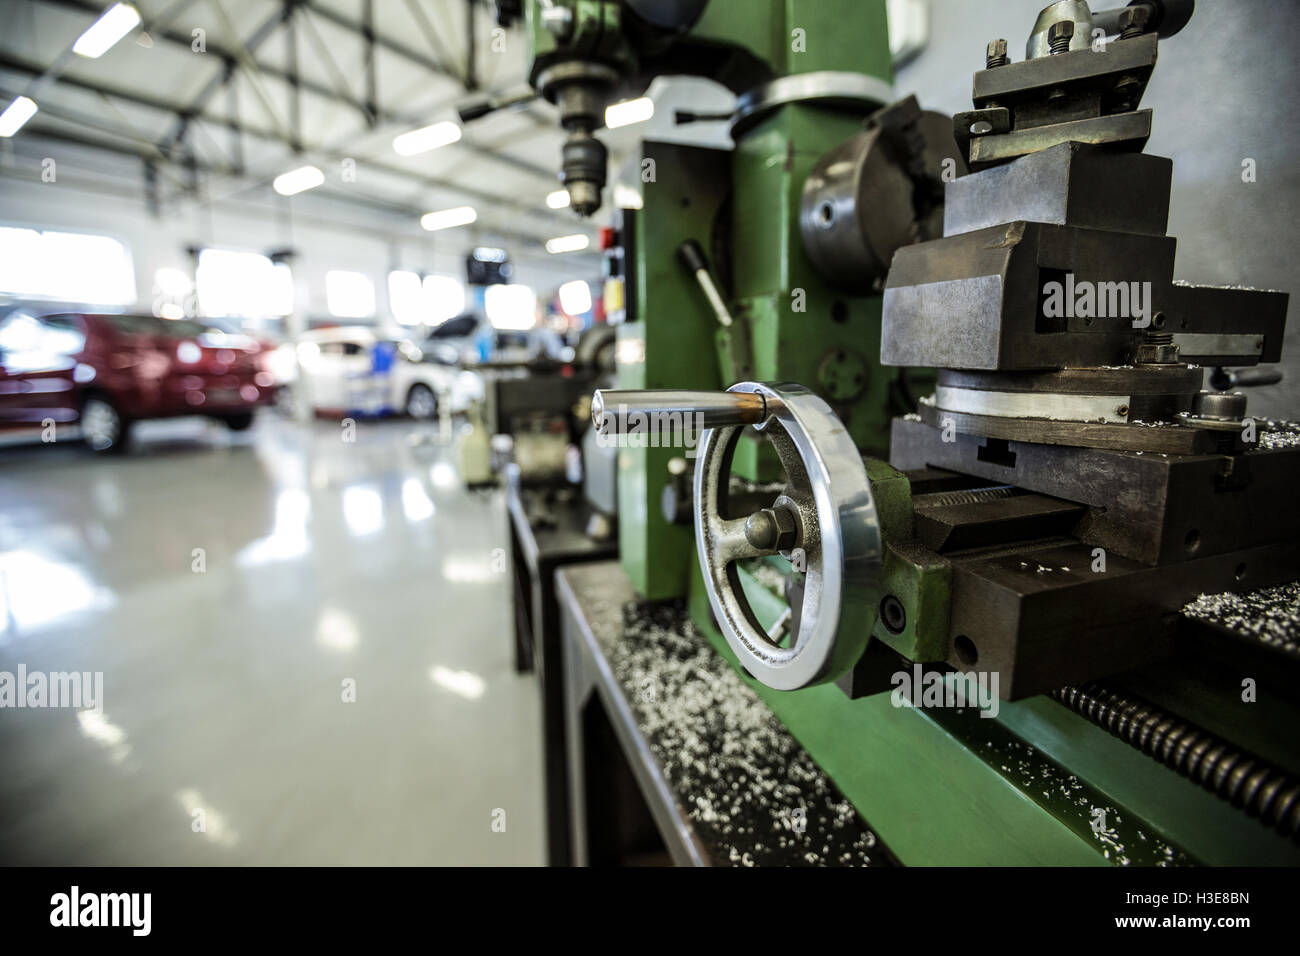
(337, 371)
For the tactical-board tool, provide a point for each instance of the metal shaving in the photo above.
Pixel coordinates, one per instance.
(1118, 839)
(1270, 614)
(751, 792)
(1275, 434)
(1274, 440)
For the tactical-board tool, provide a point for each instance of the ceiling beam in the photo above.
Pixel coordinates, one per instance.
(430, 32)
(396, 47)
(317, 89)
(9, 62)
(197, 105)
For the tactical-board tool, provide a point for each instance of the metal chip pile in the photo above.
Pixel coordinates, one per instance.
(1274, 434)
(752, 793)
(1120, 840)
(1270, 614)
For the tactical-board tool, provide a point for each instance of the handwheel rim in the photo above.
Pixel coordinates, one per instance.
(840, 532)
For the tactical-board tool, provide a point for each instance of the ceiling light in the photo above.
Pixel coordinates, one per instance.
(117, 21)
(427, 138)
(629, 111)
(574, 243)
(447, 218)
(16, 114)
(558, 199)
(298, 180)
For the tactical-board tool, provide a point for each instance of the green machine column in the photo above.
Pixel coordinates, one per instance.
(670, 345)
(743, 208)
(802, 330)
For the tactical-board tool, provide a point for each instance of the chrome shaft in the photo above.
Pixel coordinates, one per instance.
(611, 409)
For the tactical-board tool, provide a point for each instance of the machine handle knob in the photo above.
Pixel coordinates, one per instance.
(1224, 379)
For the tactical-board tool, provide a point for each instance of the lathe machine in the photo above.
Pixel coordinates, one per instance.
(1053, 525)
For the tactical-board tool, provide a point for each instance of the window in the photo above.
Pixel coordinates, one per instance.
(510, 306)
(456, 328)
(65, 266)
(406, 297)
(349, 295)
(173, 294)
(431, 300)
(242, 285)
(575, 297)
(341, 349)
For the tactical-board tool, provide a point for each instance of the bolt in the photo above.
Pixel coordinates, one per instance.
(1127, 92)
(1157, 348)
(760, 529)
(771, 529)
(1133, 21)
(996, 55)
(1059, 35)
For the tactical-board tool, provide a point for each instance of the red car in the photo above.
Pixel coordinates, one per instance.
(107, 371)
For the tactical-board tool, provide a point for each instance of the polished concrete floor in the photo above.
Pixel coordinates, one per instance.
(234, 589)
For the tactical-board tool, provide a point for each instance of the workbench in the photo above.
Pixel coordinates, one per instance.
(674, 758)
(546, 533)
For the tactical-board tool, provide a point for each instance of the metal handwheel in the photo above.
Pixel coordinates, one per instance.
(825, 521)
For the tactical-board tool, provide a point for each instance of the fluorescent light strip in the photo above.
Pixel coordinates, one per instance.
(16, 114)
(629, 111)
(298, 180)
(574, 243)
(558, 199)
(448, 218)
(116, 22)
(426, 138)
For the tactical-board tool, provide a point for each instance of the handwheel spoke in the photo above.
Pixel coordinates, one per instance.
(788, 454)
(728, 542)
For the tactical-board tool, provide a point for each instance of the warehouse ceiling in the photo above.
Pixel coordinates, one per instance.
(209, 100)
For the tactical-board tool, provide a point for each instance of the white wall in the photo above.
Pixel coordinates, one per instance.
(101, 193)
(1227, 87)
